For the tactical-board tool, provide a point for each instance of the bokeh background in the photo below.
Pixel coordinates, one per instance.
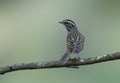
(30, 32)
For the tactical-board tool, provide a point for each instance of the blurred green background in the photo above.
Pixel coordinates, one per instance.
(30, 32)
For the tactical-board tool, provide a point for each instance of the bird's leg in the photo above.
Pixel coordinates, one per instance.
(69, 58)
(78, 57)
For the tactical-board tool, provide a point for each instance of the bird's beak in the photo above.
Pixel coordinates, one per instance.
(61, 22)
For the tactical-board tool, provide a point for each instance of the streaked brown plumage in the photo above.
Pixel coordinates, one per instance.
(75, 40)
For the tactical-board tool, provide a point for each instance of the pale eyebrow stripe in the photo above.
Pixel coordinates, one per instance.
(71, 22)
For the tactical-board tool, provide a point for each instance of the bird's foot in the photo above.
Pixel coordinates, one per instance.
(72, 59)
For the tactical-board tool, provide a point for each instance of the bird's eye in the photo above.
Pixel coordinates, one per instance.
(66, 23)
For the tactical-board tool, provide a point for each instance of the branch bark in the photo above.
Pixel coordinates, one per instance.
(56, 64)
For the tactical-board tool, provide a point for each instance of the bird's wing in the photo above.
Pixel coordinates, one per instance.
(79, 43)
(75, 42)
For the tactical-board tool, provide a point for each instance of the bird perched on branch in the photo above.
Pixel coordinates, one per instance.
(75, 40)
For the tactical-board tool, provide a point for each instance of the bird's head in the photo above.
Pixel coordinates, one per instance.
(69, 24)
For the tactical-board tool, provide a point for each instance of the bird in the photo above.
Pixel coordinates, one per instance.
(74, 41)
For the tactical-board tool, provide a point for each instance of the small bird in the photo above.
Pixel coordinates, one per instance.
(75, 40)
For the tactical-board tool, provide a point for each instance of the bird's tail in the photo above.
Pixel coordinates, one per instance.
(64, 57)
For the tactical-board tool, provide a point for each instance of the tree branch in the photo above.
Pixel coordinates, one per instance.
(73, 63)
